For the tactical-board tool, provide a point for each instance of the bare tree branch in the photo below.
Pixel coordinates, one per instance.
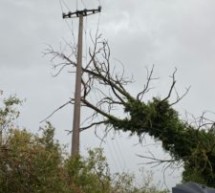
(172, 86)
(93, 125)
(146, 87)
(62, 106)
(179, 98)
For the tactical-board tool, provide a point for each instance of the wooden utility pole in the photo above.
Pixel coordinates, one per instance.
(77, 105)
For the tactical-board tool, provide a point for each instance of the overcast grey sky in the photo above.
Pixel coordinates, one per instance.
(165, 33)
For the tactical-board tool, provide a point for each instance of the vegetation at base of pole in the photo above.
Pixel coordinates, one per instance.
(38, 163)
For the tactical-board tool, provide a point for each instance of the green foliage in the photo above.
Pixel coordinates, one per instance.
(91, 175)
(8, 111)
(29, 164)
(33, 163)
(160, 121)
(195, 147)
(200, 165)
(125, 182)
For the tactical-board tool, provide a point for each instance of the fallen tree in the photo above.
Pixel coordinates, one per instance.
(192, 144)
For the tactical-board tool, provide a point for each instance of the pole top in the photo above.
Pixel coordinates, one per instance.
(83, 13)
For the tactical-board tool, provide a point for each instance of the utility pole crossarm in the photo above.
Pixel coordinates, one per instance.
(84, 13)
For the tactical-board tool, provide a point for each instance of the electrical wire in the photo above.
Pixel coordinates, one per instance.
(119, 158)
(69, 23)
(86, 41)
(76, 4)
(121, 154)
(116, 162)
(84, 4)
(98, 24)
(99, 1)
(62, 3)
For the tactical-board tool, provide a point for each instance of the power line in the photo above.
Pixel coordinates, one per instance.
(116, 161)
(62, 3)
(76, 4)
(83, 4)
